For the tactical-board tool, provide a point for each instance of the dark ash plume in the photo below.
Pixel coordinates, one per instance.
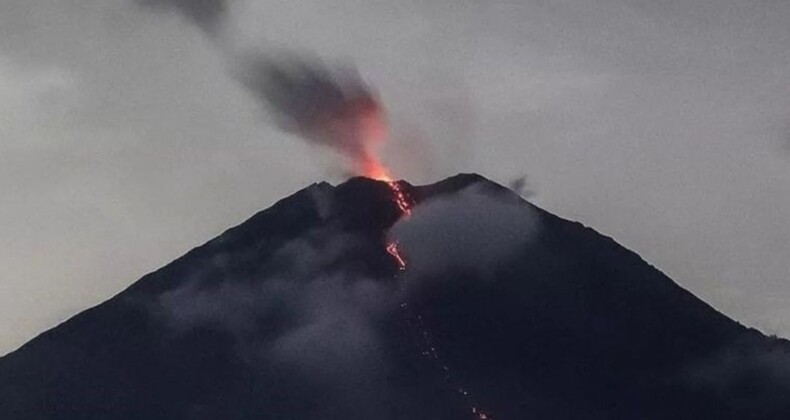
(521, 186)
(206, 14)
(328, 107)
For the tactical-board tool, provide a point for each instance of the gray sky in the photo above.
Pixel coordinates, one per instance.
(124, 141)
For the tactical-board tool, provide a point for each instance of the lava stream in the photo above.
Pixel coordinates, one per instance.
(427, 348)
(392, 249)
(401, 199)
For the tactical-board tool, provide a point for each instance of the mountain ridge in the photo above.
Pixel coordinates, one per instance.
(568, 315)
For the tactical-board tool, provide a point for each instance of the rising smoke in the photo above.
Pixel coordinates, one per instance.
(474, 230)
(520, 186)
(329, 107)
(206, 14)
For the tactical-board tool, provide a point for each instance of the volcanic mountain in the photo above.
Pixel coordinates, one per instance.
(333, 304)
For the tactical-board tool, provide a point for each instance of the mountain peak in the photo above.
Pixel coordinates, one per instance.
(302, 312)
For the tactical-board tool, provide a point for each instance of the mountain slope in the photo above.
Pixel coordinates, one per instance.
(301, 313)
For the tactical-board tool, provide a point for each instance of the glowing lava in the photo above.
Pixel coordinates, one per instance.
(371, 129)
(401, 199)
(404, 204)
(392, 249)
(424, 341)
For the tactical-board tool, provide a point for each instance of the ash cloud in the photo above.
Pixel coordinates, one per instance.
(329, 106)
(208, 15)
(476, 229)
(521, 186)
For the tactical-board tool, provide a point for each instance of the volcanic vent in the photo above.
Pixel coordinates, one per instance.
(382, 300)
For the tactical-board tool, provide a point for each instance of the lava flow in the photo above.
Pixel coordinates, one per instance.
(378, 172)
(404, 204)
(364, 123)
(392, 249)
(425, 343)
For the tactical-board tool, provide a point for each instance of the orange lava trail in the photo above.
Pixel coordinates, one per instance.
(392, 249)
(401, 199)
(428, 349)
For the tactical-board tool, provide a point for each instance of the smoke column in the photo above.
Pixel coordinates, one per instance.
(332, 108)
(206, 14)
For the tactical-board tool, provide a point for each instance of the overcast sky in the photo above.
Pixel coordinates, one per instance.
(124, 140)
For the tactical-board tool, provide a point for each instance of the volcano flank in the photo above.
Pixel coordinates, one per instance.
(334, 304)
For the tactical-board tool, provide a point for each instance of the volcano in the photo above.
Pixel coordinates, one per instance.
(493, 308)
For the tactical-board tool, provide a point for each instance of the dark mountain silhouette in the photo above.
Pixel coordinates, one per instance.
(298, 313)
